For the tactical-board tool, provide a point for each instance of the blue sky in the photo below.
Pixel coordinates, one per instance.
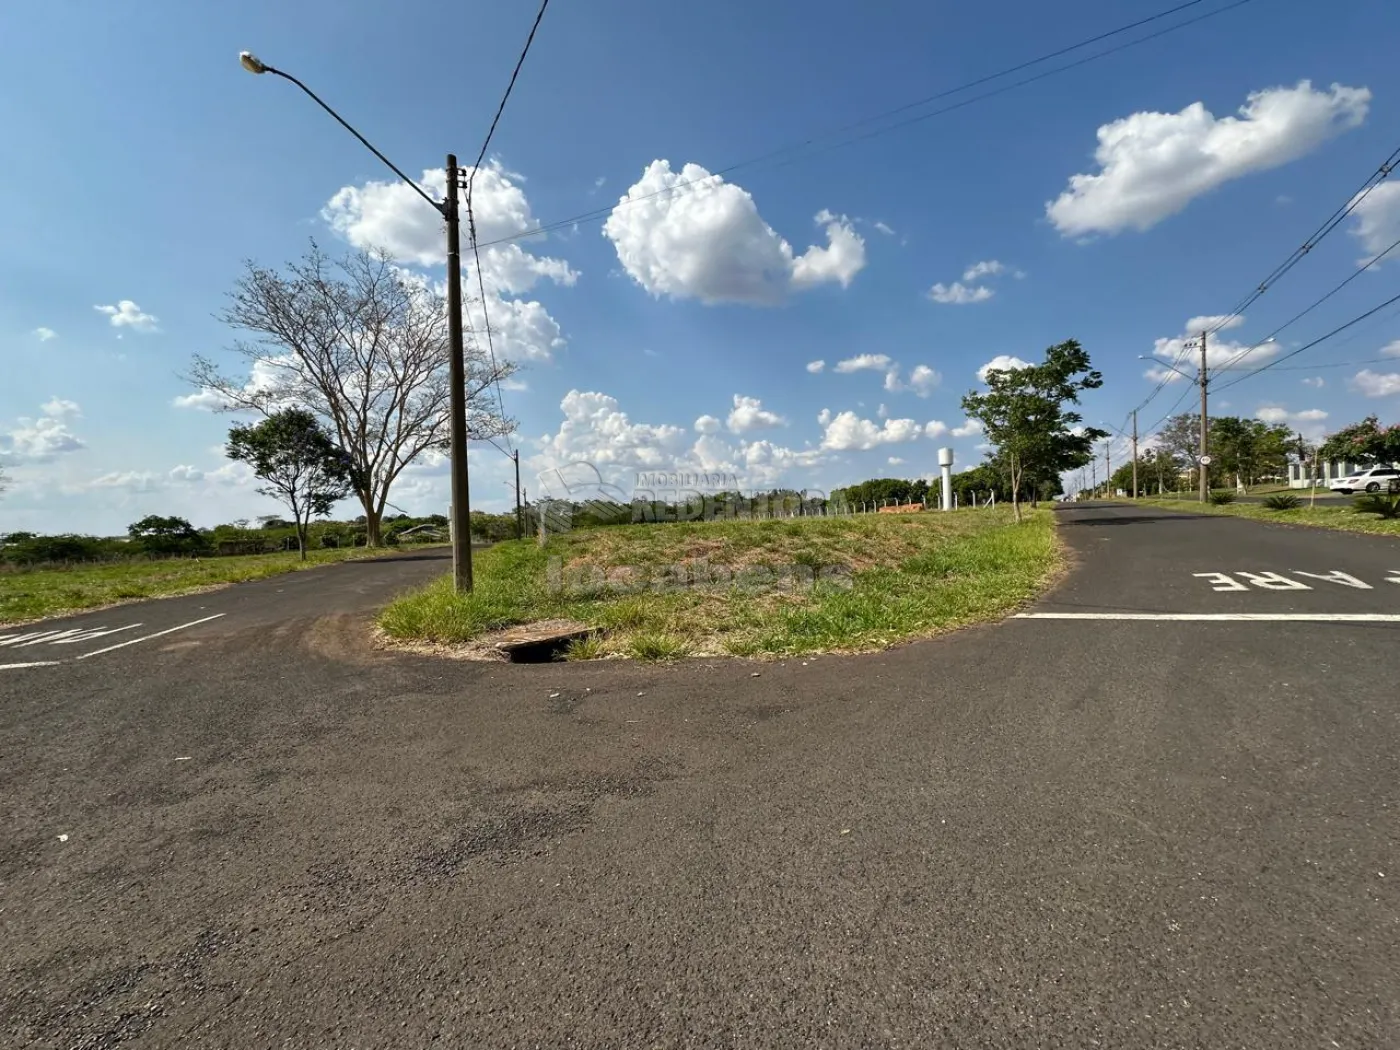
(145, 165)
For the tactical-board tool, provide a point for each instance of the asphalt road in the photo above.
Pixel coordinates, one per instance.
(1114, 833)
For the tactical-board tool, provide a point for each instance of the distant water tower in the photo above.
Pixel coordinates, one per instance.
(945, 466)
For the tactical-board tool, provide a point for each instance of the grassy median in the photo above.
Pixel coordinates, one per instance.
(747, 588)
(1330, 516)
(32, 594)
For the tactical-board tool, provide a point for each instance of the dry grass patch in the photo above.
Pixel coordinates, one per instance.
(660, 591)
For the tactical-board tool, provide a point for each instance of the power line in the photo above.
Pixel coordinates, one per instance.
(1321, 339)
(485, 316)
(471, 216)
(1303, 313)
(1168, 415)
(505, 98)
(1338, 364)
(599, 213)
(1332, 222)
(1028, 80)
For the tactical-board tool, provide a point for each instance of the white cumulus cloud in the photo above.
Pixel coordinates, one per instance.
(44, 334)
(848, 432)
(1220, 352)
(707, 425)
(595, 430)
(968, 428)
(1376, 384)
(987, 268)
(815, 366)
(1316, 382)
(1378, 219)
(1001, 363)
(1391, 349)
(127, 480)
(392, 217)
(691, 235)
(959, 294)
(1152, 165)
(42, 438)
(935, 428)
(127, 314)
(922, 380)
(839, 261)
(1309, 421)
(865, 362)
(748, 414)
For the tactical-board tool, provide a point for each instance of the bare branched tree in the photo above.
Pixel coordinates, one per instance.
(362, 344)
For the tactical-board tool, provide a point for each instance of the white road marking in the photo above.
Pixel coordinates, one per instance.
(148, 637)
(1346, 579)
(1246, 617)
(1272, 581)
(1221, 581)
(36, 663)
(93, 634)
(52, 639)
(15, 639)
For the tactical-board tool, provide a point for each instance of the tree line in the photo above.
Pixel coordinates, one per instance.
(1244, 452)
(171, 536)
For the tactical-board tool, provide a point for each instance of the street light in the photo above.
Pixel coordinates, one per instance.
(457, 397)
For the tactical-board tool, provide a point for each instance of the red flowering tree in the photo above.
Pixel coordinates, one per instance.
(1365, 442)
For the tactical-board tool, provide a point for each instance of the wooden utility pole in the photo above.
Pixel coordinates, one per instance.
(1205, 426)
(1135, 455)
(519, 513)
(1108, 467)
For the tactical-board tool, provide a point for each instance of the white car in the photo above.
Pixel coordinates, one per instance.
(1377, 479)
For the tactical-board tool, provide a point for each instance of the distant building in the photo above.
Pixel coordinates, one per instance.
(1300, 474)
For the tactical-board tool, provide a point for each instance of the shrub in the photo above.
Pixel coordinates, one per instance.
(589, 647)
(658, 647)
(1283, 501)
(1222, 497)
(1385, 506)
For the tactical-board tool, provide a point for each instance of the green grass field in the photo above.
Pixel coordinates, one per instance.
(31, 594)
(748, 588)
(1331, 516)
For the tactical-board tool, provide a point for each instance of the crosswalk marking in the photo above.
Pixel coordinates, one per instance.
(15, 639)
(97, 633)
(51, 639)
(148, 637)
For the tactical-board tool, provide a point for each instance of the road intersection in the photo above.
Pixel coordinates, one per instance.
(1117, 829)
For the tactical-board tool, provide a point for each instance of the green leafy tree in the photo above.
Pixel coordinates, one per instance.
(1025, 414)
(1367, 441)
(978, 481)
(877, 490)
(160, 535)
(302, 466)
(1248, 448)
(1180, 439)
